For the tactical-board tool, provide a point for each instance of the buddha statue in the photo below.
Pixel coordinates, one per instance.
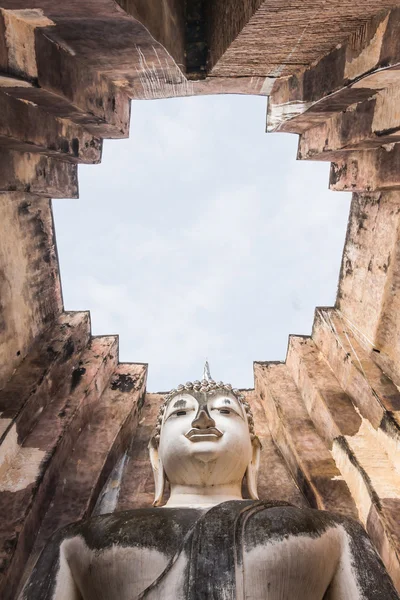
(207, 542)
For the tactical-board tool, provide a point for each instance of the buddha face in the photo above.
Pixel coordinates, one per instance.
(199, 429)
(205, 440)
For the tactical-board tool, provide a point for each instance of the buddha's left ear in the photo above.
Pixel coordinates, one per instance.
(158, 472)
(252, 469)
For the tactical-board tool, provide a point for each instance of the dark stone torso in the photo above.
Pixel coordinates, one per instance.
(161, 529)
(236, 550)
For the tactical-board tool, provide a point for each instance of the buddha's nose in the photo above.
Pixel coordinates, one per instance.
(203, 420)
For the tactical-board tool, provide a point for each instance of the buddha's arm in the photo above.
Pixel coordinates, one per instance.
(51, 578)
(360, 574)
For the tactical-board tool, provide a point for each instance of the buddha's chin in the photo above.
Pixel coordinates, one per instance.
(205, 451)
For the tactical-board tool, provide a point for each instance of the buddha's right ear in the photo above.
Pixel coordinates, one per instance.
(158, 472)
(252, 469)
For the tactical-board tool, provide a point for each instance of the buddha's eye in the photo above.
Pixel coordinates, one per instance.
(223, 411)
(180, 413)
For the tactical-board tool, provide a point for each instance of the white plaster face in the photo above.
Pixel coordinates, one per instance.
(205, 439)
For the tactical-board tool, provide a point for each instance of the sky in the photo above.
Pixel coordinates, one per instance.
(201, 237)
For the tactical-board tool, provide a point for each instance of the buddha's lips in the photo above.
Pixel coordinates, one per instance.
(197, 435)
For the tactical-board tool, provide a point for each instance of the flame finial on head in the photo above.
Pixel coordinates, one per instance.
(206, 372)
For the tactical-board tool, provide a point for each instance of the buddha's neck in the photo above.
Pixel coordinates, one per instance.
(200, 496)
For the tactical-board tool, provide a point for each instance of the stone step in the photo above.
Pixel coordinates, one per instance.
(330, 408)
(372, 392)
(124, 51)
(347, 75)
(367, 125)
(65, 87)
(39, 69)
(43, 371)
(37, 174)
(367, 170)
(28, 483)
(81, 94)
(294, 433)
(28, 128)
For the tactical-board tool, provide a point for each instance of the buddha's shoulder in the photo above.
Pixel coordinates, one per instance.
(151, 526)
(278, 521)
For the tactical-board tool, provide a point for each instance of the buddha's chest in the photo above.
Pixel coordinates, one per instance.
(298, 567)
(114, 573)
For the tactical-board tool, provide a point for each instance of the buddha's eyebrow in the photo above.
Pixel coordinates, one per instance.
(180, 403)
